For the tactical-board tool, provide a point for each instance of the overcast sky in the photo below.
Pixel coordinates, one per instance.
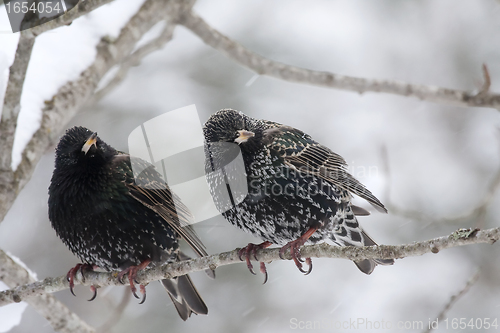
(441, 158)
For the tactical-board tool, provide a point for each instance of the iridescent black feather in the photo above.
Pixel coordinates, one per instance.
(114, 221)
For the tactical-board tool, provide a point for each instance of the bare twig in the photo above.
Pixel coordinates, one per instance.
(460, 237)
(58, 315)
(82, 8)
(477, 213)
(12, 99)
(264, 66)
(65, 103)
(72, 96)
(116, 314)
(455, 298)
(134, 60)
(487, 82)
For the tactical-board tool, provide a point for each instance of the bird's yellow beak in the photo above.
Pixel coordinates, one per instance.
(90, 142)
(244, 136)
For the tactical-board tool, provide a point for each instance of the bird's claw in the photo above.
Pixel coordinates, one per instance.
(310, 263)
(143, 292)
(246, 251)
(240, 253)
(132, 274)
(251, 251)
(283, 250)
(263, 270)
(295, 254)
(70, 277)
(94, 290)
(142, 289)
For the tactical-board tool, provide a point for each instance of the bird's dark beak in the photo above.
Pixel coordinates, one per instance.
(244, 136)
(90, 142)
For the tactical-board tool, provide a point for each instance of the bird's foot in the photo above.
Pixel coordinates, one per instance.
(294, 247)
(132, 274)
(71, 278)
(94, 290)
(251, 250)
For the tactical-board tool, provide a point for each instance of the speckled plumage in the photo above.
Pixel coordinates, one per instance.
(113, 221)
(294, 184)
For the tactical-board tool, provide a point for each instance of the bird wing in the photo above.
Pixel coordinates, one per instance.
(151, 190)
(301, 152)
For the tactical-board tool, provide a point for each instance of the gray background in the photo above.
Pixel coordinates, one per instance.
(442, 159)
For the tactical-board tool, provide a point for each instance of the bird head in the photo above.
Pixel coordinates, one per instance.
(232, 126)
(81, 147)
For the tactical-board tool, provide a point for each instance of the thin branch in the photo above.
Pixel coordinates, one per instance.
(58, 315)
(65, 104)
(265, 66)
(117, 313)
(134, 59)
(476, 213)
(12, 99)
(453, 300)
(460, 237)
(72, 96)
(487, 81)
(82, 8)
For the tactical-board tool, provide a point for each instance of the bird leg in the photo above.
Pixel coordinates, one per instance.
(295, 250)
(132, 274)
(71, 278)
(251, 250)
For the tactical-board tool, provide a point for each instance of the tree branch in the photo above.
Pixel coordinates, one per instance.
(73, 95)
(455, 298)
(460, 237)
(117, 312)
(264, 66)
(134, 59)
(56, 313)
(61, 108)
(476, 213)
(12, 99)
(82, 8)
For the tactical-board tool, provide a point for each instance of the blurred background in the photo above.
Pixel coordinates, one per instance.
(430, 163)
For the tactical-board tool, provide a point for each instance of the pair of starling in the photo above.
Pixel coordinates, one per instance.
(299, 192)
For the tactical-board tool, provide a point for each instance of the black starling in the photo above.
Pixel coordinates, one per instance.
(299, 191)
(115, 222)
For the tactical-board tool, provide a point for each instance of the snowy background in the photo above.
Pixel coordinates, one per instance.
(441, 158)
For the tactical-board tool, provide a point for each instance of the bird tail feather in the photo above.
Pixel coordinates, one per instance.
(351, 234)
(185, 297)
